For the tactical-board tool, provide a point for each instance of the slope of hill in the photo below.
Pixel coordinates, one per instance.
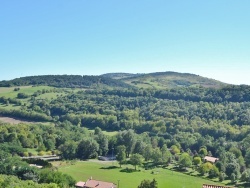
(69, 81)
(161, 80)
(120, 75)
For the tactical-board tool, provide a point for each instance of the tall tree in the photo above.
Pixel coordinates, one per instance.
(185, 160)
(87, 148)
(121, 154)
(128, 139)
(68, 150)
(136, 160)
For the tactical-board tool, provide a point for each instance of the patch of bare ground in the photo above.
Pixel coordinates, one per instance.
(13, 120)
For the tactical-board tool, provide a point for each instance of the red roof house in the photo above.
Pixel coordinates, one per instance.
(214, 186)
(90, 183)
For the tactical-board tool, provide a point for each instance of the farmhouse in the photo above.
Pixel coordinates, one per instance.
(210, 159)
(90, 183)
(214, 186)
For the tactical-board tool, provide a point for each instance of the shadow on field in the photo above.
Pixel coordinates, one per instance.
(129, 170)
(109, 167)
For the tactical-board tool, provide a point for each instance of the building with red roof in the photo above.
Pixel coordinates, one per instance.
(91, 183)
(214, 186)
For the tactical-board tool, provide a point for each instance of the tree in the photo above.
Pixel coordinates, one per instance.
(148, 152)
(247, 157)
(121, 154)
(144, 184)
(139, 147)
(214, 172)
(185, 160)
(157, 156)
(153, 184)
(166, 155)
(87, 148)
(22, 95)
(233, 168)
(233, 177)
(197, 161)
(136, 160)
(235, 151)
(68, 150)
(63, 180)
(148, 184)
(204, 168)
(175, 149)
(222, 176)
(203, 151)
(127, 138)
(103, 142)
(246, 176)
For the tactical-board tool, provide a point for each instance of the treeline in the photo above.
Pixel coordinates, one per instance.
(25, 114)
(230, 93)
(140, 110)
(185, 149)
(9, 181)
(65, 81)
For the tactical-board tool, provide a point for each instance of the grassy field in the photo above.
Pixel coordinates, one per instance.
(106, 171)
(10, 93)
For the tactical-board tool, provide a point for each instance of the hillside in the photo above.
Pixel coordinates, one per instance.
(66, 81)
(161, 80)
(119, 75)
(191, 121)
(158, 80)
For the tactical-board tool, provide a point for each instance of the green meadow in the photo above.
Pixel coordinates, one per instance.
(109, 171)
(10, 93)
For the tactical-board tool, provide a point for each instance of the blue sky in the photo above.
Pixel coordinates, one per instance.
(90, 37)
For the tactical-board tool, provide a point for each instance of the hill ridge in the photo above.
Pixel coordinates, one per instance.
(154, 80)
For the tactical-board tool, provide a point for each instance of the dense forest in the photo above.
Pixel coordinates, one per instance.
(70, 81)
(181, 124)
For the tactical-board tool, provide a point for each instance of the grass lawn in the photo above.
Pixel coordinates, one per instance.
(105, 171)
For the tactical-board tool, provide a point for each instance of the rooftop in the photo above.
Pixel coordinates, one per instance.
(211, 159)
(214, 186)
(90, 183)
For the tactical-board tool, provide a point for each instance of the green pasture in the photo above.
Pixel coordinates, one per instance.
(109, 171)
(10, 93)
(10, 107)
(49, 96)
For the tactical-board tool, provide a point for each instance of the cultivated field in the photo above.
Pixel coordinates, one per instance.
(109, 171)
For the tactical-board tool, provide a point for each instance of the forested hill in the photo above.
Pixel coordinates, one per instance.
(162, 80)
(158, 80)
(69, 81)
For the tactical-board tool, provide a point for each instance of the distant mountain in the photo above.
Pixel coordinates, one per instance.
(163, 80)
(68, 81)
(157, 80)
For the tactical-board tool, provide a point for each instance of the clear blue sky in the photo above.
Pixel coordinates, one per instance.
(90, 37)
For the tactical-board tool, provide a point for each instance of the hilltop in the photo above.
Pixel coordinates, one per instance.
(161, 80)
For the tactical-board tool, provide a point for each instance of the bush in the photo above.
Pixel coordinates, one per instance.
(22, 96)
(25, 154)
(41, 153)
